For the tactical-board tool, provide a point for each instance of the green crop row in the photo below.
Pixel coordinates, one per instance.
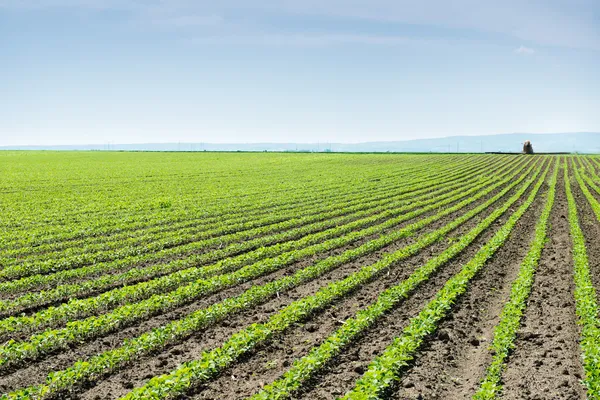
(383, 370)
(32, 237)
(225, 265)
(510, 318)
(192, 373)
(594, 164)
(192, 224)
(248, 192)
(585, 299)
(594, 204)
(304, 368)
(158, 338)
(77, 331)
(222, 233)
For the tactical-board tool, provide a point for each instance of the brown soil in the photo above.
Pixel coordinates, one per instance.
(267, 363)
(148, 264)
(341, 375)
(546, 361)
(36, 372)
(120, 383)
(453, 362)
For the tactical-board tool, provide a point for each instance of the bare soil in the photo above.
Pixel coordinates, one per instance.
(546, 361)
(545, 364)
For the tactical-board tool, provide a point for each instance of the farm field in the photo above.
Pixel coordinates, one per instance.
(299, 276)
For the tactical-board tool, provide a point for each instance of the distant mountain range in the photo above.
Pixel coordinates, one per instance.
(580, 142)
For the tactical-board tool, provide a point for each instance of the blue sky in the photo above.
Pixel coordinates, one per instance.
(99, 71)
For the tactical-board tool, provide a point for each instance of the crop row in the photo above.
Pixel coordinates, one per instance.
(585, 299)
(156, 339)
(195, 259)
(154, 303)
(192, 373)
(383, 370)
(505, 331)
(187, 267)
(247, 223)
(588, 166)
(594, 204)
(200, 212)
(306, 367)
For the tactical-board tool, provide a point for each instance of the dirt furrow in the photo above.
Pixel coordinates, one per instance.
(546, 361)
(36, 372)
(341, 374)
(192, 348)
(591, 231)
(268, 362)
(454, 361)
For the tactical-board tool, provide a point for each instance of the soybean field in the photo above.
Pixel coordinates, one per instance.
(299, 276)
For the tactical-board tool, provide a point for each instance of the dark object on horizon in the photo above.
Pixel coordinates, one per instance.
(527, 147)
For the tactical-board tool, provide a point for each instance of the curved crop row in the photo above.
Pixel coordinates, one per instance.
(585, 299)
(220, 233)
(505, 331)
(94, 368)
(76, 331)
(239, 216)
(342, 226)
(383, 370)
(128, 224)
(305, 368)
(191, 373)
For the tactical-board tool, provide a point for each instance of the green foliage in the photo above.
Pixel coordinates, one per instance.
(510, 318)
(304, 368)
(383, 370)
(585, 299)
(153, 340)
(191, 373)
(156, 302)
(309, 228)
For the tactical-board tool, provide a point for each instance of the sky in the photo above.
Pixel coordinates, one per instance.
(227, 71)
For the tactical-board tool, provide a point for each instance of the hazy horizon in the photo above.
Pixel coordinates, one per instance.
(576, 142)
(100, 71)
(533, 134)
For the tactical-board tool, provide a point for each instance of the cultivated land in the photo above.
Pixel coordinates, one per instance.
(301, 276)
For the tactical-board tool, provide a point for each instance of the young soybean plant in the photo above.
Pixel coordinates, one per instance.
(246, 339)
(383, 370)
(585, 300)
(510, 318)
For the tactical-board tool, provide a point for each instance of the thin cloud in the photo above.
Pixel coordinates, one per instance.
(305, 40)
(524, 50)
(561, 23)
(189, 21)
